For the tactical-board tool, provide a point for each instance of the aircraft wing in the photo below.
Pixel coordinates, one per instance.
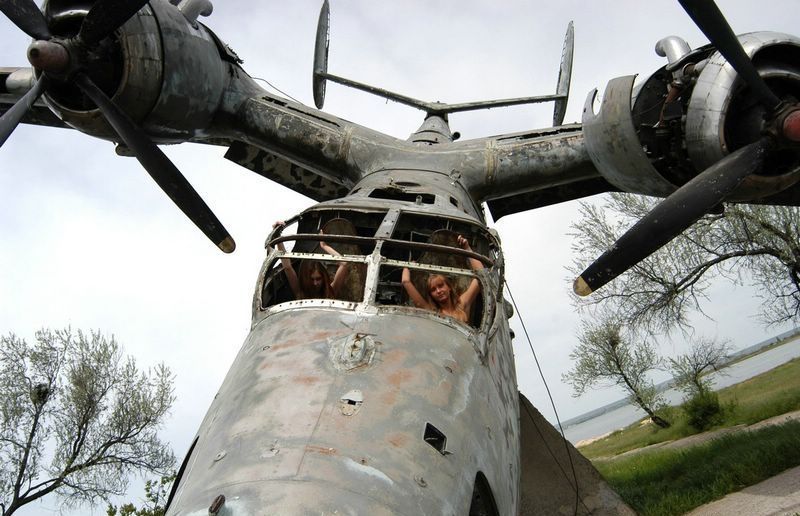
(315, 185)
(683, 124)
(39, 114)
(656, 139)
(545, 197)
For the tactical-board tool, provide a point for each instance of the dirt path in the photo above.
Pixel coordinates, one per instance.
(779, 495)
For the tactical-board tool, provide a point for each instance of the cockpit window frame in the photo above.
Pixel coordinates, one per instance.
(275, 256)
(386, 235)
(486, 311)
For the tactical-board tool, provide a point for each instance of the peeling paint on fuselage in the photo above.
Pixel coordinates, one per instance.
(364, 408)
(293, 434)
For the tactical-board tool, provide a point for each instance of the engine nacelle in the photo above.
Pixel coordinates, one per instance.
(164, 71)
(691, 113)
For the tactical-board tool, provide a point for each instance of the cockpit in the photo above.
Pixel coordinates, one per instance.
(362, 255)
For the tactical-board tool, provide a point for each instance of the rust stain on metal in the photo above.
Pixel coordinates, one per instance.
(389, 398)
(320, 336)
(321, 450)
(397, 440)
(394, 356)
(400, 377)
(442, 395)
(305, 380)
(290, 341)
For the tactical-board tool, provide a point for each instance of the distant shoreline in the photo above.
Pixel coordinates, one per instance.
(740, 355)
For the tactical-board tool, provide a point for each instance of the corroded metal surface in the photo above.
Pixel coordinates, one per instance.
(614, 145)
(296, 450)
(187, 49)
(299, 179)
(708, 138)
(360, 407)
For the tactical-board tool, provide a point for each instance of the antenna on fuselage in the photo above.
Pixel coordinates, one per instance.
(321, 76)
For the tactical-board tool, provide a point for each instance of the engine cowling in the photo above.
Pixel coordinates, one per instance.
(691, 113)
(162, 70)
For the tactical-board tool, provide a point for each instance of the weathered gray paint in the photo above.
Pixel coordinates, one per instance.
(613, 143)
(294, 451)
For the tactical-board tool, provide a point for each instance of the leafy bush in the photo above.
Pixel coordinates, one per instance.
(703, 410)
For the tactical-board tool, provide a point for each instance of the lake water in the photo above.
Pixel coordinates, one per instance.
(623, 416)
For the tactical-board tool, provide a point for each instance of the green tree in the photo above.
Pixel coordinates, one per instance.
(690, 370)
(604, 355)
(156, 493)
(76, 418)
(690, 373)
(756, 244)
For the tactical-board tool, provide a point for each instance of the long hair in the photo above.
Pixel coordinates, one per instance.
(454, 295)
(307, 268)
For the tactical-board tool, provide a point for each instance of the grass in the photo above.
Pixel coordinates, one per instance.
(672, 482)
(769, 394)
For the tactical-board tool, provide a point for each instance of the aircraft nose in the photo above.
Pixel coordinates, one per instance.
(332, 412)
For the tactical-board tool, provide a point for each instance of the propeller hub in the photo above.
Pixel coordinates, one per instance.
(48, 56)
(791, 126)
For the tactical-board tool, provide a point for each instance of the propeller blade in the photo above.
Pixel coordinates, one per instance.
(27, 16)
(707, 16)
(673, 215)
(105, 17)
(160, 168)
(10, 119)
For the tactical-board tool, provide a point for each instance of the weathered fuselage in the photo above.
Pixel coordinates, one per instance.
(368, 405)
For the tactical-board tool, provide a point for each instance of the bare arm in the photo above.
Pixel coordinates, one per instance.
(342, 271)
(413, 293)
(288, 270)
(468, 297)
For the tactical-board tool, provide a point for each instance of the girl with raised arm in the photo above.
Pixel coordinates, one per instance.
(441, 295)
(313, 280)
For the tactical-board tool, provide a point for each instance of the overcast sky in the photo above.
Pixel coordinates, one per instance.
(88, 240)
